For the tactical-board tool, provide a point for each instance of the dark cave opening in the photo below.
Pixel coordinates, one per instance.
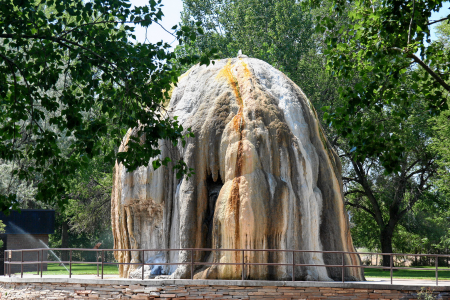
(213, 188)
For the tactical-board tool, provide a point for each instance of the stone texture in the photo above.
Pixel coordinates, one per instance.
(46, 290)
(265, 178)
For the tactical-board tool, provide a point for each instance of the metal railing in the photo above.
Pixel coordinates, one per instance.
(100, 253)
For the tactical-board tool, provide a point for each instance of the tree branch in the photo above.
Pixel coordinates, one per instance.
(410, 23)
(166, 29)
(354, 192)
(377, 214)
(60, 41)
(361, 207)
(350, 179)
(427, 68)
(432, 22)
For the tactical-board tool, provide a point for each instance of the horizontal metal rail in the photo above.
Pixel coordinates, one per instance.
(40, 260)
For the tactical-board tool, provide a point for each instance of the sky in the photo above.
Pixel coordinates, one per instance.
(172, 11)
(443, 12)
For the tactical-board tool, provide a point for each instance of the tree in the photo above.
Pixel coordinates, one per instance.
(86, 219)
(281, 33)
(382, 43)
(384, 199)
(2, 230)
(72, 81)
(278, 32)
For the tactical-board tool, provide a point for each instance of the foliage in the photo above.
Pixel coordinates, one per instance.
(86, 219)
(380, 202)
(382, 205)
(2, 230)
(25, 191)
(278, 32)
(72, 81)
(380, 47)
(426, 294)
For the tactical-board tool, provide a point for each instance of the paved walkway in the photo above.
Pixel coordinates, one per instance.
(114, 279)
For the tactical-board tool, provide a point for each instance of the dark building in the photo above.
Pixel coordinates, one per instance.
(28, 229)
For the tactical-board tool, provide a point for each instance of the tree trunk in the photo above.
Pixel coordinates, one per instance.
(65, 240)
(386, 245)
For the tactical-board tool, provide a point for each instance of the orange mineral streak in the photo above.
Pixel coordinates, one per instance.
(226, 73)
(238, 125)
(247, 73)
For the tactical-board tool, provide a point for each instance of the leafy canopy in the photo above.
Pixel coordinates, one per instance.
(72, 80)
(385, 40)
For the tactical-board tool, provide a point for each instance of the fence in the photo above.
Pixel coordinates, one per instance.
(100, 254)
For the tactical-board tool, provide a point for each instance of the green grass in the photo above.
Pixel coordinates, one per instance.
(90, 269)
(444, 273)
(79, 269)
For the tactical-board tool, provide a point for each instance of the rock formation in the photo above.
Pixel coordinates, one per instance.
(265, 178)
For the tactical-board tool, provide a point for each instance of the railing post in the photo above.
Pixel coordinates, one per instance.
(37, 263)
(103, 255)
(293, 265)
(391, 263)
(243, 265)
(21, 265)
(9, 262)
(143, 262)
(42, 259)
(96, 260)
(70, 263)
(436, 262)
(343, 267)
(192, 264)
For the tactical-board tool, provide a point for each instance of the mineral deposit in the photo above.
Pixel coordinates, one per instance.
(265, 178)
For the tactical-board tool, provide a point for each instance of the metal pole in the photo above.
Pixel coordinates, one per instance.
(243, 275)
(70, 263)
(103, 255)
(142, 264)
(21, 265)
(42, 258)
(37, 264)
(96, 260)
(9, 260)
(192, 264)
(436, 261)
(343, 267)
(390, 258)
(293, 265)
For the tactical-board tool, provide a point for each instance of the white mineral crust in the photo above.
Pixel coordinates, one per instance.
(265, 178)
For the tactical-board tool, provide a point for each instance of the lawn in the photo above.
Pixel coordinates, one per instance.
(444, 273)
(90, 269)
(79, 269)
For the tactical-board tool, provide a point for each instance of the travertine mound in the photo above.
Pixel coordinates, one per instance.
(265, 178)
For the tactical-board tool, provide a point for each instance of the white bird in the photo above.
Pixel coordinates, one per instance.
(240, 55)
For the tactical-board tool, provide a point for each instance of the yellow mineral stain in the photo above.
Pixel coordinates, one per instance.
(247, 73)
(185, 74)
(228, 75)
